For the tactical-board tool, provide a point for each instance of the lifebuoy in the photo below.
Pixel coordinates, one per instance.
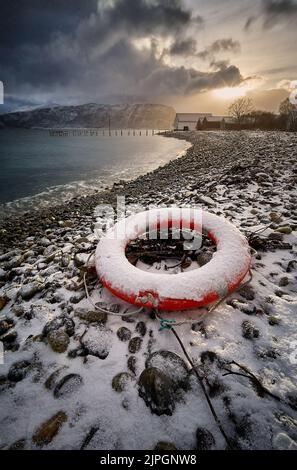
(196, 288)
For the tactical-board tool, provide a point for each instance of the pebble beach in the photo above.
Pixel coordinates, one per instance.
(73, 377)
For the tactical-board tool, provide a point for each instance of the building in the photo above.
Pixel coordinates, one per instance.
(194, 121)
(188, 121)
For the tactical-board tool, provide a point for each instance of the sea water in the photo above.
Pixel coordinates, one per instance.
(39, 170)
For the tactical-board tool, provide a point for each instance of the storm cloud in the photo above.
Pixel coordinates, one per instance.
(83, 50)
(274, 12)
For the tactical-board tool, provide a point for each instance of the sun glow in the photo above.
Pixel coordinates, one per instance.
(230, 93)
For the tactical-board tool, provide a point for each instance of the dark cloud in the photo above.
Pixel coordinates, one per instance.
(274, 12)
(218, 46)
(279, 10)
(83, 50)
(183, 47)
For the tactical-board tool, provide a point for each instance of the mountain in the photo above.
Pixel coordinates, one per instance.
(121, 116)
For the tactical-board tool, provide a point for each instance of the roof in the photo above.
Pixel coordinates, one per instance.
(191, 117)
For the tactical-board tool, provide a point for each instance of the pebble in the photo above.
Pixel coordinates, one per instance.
(58, 340)
(134, 345)
(49, 429)
(19, 370)
(249, 330)
(120, 381)
(204, 439)
(124, 334)
(92, 316)
(68, 385)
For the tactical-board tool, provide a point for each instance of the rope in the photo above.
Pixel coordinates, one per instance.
(200, 379)
(100, 309)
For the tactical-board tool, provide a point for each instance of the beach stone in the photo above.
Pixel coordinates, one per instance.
(286, 230)
(247, 292)
(49, 429)
(18, 310)
(141, 328)
(170, 364)
(275, 217)
(18, 371)
(284, 281)
(162, 445)
(68, 385)
(97, 341)
(120, 381)
(58, 340)
(18, 445)
(92, 316)
(273, 320)
(135, 344)
(249, 330)
(204, 439)
(3, 301)
(124, 334)
(157, 391)
(29, 290)
(131, 363)
(63, 322)
(276, 236)
(5, 325)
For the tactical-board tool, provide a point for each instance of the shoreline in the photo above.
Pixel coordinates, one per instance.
(14, 228)
(64, 360)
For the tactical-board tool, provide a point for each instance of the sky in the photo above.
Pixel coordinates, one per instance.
(195, 55)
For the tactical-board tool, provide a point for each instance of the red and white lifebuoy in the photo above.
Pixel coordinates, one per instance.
(225, 271)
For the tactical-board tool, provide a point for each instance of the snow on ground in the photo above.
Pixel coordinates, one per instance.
(60, 385)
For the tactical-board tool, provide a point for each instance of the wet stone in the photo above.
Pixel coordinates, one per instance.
(141, 328)
(170, 364)
(135, 345)
(204, 439)
(49, 429)
(131, 363)
(249, 330)
(120, 381)
(124, 334)
(157, 391)
(93, 316)
(58, 340)
(68, 385)
(19, 370)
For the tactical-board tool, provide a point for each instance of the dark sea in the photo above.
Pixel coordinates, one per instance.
(37, 169)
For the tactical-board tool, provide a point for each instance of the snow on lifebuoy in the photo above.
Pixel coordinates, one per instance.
(196, 288)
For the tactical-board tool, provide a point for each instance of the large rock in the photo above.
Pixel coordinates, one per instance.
(49, 429)
(157, 390)
(170, 364)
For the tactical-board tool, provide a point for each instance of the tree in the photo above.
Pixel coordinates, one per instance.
(289, 111)
(286, 107)
(240, 108)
